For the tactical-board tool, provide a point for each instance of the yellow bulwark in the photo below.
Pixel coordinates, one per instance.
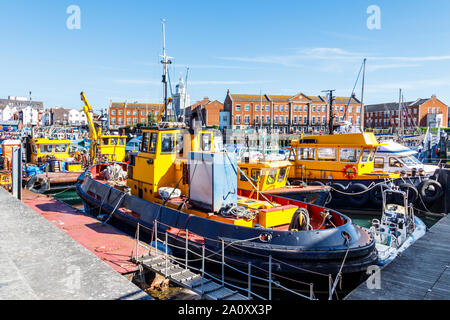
(336, 157)
(43, 149)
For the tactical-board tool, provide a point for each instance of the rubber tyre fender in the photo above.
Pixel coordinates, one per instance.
(413, 193)
(375, 194)
(38, 185)
(360, 199)
(423, 187)
(339, 187)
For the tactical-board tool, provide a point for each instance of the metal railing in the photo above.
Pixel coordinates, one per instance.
(206, 256)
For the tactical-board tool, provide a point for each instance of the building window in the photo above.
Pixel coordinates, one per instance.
(295, 119)
(305, 120)
(113, 112)
(247, 119)
(238, 119)
(120, 112)
(350, 109)
(256, 119)
(247, 108)
(358, 109)
(129, 121)
(268, 119)
(287, 120)
(128, 112)
(295, 108)
(238, 108)
(257, 108)
(281, 119)
(313, 120)
(276, 119)
(276, 109)
(314, 108)
(324, 109)
(267, 108)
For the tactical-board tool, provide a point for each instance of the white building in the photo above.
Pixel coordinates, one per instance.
(77, 117)
(181, 100)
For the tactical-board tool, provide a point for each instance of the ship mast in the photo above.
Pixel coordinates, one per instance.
(331, 121)
(362, 117)
(165, 62)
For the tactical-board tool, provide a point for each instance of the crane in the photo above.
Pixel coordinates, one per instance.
(103, 147)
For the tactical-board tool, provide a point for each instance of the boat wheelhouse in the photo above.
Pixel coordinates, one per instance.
(337, 158)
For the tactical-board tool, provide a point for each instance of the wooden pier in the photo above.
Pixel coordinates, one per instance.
(422, 272)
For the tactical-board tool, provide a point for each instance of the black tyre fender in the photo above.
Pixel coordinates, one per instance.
(317, 183)
(38, 184)
(413, 193)
(340, 187)
(430, 190)
(359, 199)
(376, 194)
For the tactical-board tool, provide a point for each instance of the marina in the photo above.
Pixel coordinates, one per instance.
(221, 180)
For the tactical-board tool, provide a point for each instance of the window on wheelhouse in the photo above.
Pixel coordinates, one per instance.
(244, 174)
(326, 154)
(61, 148)
(272, 176)
(153, 142)
(282, 175)
(292, 154)
(365, 155)
(122, 141)
(167, 143)
(256, 174)
(105, 141)
(145, 140)
(350, 155)
(378, 163)
(372, 154)
(206, 142)
(180, 144)
(114, 141)
(306, 154)
(46, 148)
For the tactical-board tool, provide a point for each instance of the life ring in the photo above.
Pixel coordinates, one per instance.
(350, 172)
(361, 197)
(38, 184)
(430, 190)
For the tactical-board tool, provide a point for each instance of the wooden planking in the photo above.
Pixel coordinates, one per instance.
(422, 272)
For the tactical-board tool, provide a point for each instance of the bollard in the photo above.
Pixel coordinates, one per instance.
(16, 174)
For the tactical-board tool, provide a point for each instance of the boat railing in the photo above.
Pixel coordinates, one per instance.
(207, 255)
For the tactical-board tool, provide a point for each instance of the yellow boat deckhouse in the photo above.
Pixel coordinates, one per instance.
(336, 158)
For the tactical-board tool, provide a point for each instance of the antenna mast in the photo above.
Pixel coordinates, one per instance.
(330, 101)
(165, 61)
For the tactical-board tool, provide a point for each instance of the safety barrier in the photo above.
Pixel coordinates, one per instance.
(207, 255)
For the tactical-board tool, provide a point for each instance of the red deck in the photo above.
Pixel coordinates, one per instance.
(108, 244)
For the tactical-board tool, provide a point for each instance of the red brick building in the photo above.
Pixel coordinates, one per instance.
(122, 114)
(209, 111)
(420, 113)
(288, 113)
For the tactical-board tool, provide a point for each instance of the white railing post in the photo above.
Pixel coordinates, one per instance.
(249, 280)
(223, 263)
(187, 248)
(311, 291)
(155, 225)
(270, 278)
(203, 268)
(137, 242)
(166, 253)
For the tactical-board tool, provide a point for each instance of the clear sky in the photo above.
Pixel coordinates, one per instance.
(279, 47)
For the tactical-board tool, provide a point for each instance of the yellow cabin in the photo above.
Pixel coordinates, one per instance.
(266, 175)
(111, 148)
(336, 157)
(163, 158)
(45, 149)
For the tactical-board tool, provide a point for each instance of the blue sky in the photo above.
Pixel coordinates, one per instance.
(279, 47)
